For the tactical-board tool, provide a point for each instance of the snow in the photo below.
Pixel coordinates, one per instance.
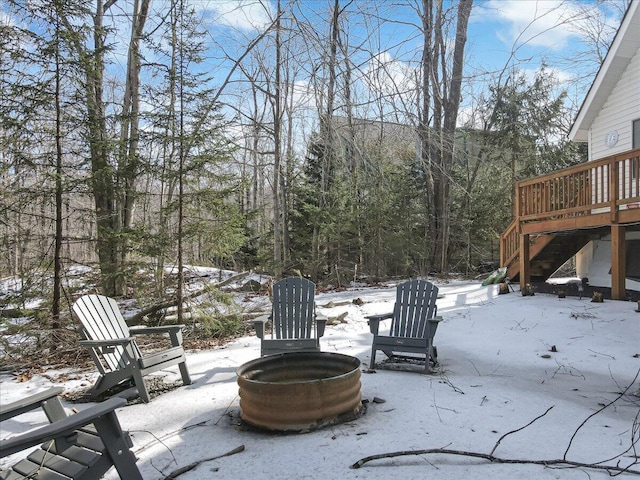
(504, 360)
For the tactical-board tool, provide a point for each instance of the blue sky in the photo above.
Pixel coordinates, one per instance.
(539, 29)
(518, 34)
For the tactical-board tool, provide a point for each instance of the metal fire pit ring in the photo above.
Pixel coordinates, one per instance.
(299, 391)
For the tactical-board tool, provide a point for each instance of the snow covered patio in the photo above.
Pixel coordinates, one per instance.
(504, 360)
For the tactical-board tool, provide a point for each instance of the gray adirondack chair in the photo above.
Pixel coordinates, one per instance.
(114, 350)
(296, 327)
(413, 323)
(82, 446)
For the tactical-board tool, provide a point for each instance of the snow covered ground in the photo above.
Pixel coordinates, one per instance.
(504, 360)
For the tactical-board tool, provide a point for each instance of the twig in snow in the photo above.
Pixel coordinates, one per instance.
(164, 437)
(436, 407)
(474, 367)
(603, 354)
(566, 452)
(158, 440)
(191, 466)
(564, 370)
(518, 429)
(226, 410)
(445, 379)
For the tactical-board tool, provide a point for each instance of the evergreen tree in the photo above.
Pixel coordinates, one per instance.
(194, 215)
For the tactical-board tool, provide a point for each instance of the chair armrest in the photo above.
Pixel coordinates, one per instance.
(60, 428)
(112, 342)
(321, 323)
(259, 323)
(381, 316)
(32, 402)
(435, 319)
(374, 321)
(140, 330)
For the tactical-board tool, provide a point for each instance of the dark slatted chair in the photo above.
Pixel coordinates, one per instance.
(296, 327)
(115, 351)
(413, 324)
(81, 446)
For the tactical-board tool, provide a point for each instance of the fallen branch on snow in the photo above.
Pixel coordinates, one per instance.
(611, 469)
(493, 459)
(191, 466)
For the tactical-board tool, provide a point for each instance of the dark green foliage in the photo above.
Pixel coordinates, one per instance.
(371, 219)
(524, 135)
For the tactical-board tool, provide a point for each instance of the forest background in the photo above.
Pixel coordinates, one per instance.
(334, 139)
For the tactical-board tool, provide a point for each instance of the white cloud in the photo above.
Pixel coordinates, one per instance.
(540, 23)
(241, 14)
(560, 77)
(389, 75)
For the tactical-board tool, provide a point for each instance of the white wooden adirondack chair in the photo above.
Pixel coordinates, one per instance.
(413, 323)
(296, 326)
(114, 350)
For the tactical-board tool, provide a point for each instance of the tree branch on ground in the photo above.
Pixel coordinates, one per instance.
(613, 470)
(172, 302)
(187, 468)
(634, 439)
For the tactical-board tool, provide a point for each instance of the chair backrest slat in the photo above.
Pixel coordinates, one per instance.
(415, 304)
(101, 320)
(293, 308)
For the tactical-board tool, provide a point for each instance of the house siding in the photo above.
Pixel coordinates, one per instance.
(618, 113)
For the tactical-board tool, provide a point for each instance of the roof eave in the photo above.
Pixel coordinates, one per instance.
(588, 111)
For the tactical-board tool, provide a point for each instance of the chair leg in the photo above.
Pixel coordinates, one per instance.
(139, 382)
(431, 358)
(115, 442)
(186, 379)
(373, 358)
(105, 382)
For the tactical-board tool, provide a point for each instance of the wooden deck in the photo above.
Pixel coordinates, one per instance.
(570, 207)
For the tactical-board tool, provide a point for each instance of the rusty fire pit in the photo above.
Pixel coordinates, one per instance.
(299, 391)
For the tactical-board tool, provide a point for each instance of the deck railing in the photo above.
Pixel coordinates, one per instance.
(604, 186)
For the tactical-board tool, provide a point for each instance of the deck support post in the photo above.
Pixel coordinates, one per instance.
(618, 263)
(525, 275)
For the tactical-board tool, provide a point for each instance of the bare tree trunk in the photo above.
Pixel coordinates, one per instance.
(451, 106)
(181, 159)
(352, 153)
(424, 130)
(102, 172)
(277, 118)
(290, 162)
(109, 243)
(57, 262)
(128, 161)
(327, 139)
(438, 144)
